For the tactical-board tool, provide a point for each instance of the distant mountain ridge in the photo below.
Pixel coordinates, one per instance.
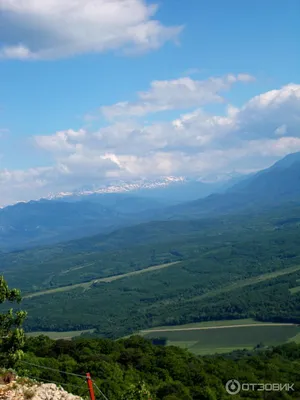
(85, 213)
(270, 187)
(77, 216)
(120, 187)
(40, 222)
(160, 188)
(169, 189)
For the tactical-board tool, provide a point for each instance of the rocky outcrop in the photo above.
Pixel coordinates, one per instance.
(22, 390)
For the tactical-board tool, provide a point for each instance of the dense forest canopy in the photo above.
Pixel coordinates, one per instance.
(122, 368)
(244, 266)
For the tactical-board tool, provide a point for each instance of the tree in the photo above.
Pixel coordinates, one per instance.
(12, 337)
(137, 392)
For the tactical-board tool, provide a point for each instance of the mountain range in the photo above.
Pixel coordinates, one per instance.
(80, 215)
(171, 189)
(86, 212)
(270, 187)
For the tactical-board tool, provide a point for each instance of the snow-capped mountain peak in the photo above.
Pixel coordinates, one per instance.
(121, 187)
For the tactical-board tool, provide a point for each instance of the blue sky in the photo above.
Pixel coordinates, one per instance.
(66, 76)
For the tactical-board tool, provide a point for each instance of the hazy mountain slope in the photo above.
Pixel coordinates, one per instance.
(168, 190)
(131, 248)
(186, 191)
(268, 188)
(51, 221)
(279, 182)
(41, 222)
(76, 216)
(119, 202)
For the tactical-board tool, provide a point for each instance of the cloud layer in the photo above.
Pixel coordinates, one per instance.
(175, 94)
(195, 144)
(47, 29)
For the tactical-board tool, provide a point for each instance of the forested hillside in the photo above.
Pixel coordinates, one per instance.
(124, 369)
(140, 246)
(47, 222)
(246, 266)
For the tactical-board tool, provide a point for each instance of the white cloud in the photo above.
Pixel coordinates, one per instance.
(78, 169)
(47, 29)
(62, 141)
(196, 143)
(175, 94)
(16, 52)
(263, 114)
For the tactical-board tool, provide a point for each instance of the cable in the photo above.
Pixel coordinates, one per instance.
(99, 390)
(62, 372)
(53, 369)
(58, 383)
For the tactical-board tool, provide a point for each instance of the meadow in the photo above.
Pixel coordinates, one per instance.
(211, 338)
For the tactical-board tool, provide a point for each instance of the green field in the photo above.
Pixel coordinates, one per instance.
(225, 336)
(87, 285)
(59, 335)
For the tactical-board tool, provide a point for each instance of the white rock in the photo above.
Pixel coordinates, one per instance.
(47, 391)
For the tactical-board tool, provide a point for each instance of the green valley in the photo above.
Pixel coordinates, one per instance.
(189, 271)
(164, 273)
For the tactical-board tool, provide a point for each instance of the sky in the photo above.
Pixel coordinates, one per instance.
(101, 91)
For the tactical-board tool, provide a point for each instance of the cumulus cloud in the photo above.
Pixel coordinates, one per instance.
(175, 94)
(34, 183)
(48, 29)
(248, 138)
(62, 141)
(277, 109)
(196, 131)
